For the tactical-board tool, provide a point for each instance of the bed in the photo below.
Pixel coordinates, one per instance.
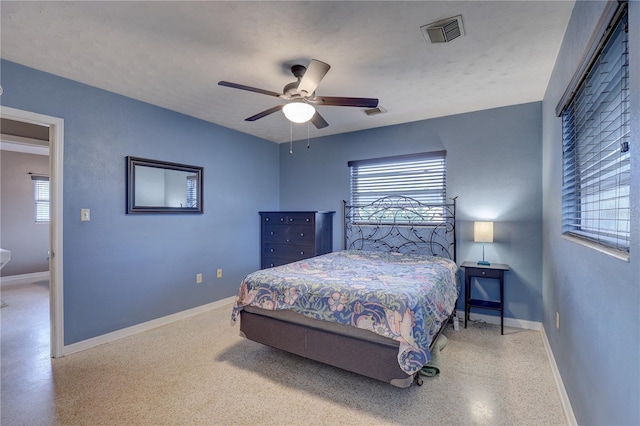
(374, 308)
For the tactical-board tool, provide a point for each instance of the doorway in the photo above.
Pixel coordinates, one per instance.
(56, 143)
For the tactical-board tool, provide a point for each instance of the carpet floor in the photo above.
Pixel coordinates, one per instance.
(199, 371)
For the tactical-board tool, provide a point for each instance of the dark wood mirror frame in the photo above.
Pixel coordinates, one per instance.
(156, 187)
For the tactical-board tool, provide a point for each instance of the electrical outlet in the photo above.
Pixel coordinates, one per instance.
(199, 279)
(219, 273)
(558, 320)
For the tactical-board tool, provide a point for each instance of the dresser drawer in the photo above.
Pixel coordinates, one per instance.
(288, 234)
(270, 262)
(285, 218)
(289, 251)
(484, 272)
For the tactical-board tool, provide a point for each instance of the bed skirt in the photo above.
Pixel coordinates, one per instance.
(377, 356)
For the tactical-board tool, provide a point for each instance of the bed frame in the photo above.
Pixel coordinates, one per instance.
(391, 224)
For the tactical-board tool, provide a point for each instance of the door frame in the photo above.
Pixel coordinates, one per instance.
(56, 151)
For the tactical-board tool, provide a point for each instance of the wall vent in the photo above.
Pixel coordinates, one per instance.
(443, 31)
(374, 111)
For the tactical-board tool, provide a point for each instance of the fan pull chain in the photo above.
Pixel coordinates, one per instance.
(308, 136)
(290, 138)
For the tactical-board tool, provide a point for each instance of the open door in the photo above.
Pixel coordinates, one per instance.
(56, 144)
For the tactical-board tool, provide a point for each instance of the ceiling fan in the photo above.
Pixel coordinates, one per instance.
(301, 96)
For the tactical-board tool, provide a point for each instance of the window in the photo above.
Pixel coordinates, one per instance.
(41, 197)
(419, 176)
(192, 191)
(596, 158)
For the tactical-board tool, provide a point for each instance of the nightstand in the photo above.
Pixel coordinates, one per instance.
(495, 271)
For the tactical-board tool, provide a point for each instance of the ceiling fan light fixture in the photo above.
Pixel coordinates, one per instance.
(301, 96)
(298, 112)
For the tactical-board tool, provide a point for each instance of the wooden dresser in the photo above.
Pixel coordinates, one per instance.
(290, 236)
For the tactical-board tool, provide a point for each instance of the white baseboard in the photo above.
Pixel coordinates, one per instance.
(23, 278)
(564, 397)
(139, 328)
(508, 322)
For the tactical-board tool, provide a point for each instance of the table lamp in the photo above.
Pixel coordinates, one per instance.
(483, 233)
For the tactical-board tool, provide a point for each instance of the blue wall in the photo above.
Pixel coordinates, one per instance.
(493, 167)
(503, 164)
(119, 269)
(597, 347)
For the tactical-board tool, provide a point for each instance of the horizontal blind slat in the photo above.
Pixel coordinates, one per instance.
(596, 161)
(422, 177)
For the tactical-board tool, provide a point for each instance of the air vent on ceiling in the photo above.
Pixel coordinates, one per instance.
(374, 111)
(443, 31)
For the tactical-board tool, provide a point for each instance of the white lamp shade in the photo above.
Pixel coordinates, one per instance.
(298, 112)
(483, 232)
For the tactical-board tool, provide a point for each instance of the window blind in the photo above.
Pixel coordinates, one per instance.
(192, 191)
(41, 197)
(596, 158)
(419, 176)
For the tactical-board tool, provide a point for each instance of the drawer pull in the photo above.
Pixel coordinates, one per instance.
(302, 234)
(271, 250)
(290, 219)
(266, 219)
(308, 220)
(301, 252)
(282, 219)
(271, 233)
(271, 265)
(483, 273)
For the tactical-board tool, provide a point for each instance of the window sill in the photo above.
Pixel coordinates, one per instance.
(602, 249)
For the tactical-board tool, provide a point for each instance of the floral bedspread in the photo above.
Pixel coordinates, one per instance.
(403, 297)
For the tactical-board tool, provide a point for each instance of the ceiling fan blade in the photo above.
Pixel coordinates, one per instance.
(264, 113)
(312, 76)
(248, 88)
(339, 101)
(318, 121)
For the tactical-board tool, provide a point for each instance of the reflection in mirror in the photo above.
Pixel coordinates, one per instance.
(156, 186)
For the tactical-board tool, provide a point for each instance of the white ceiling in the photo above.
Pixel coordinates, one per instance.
(173, 53)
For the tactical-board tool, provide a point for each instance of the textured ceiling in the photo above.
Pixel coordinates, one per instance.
(172, 54)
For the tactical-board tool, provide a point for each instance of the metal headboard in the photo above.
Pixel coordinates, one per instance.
(402, 225)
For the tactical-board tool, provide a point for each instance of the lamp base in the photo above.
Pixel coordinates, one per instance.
(483, 262)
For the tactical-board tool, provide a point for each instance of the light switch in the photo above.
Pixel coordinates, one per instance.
(85, 215)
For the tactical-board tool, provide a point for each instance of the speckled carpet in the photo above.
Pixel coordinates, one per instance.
(198, 371)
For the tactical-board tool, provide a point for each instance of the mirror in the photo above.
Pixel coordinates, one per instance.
(161, 187)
